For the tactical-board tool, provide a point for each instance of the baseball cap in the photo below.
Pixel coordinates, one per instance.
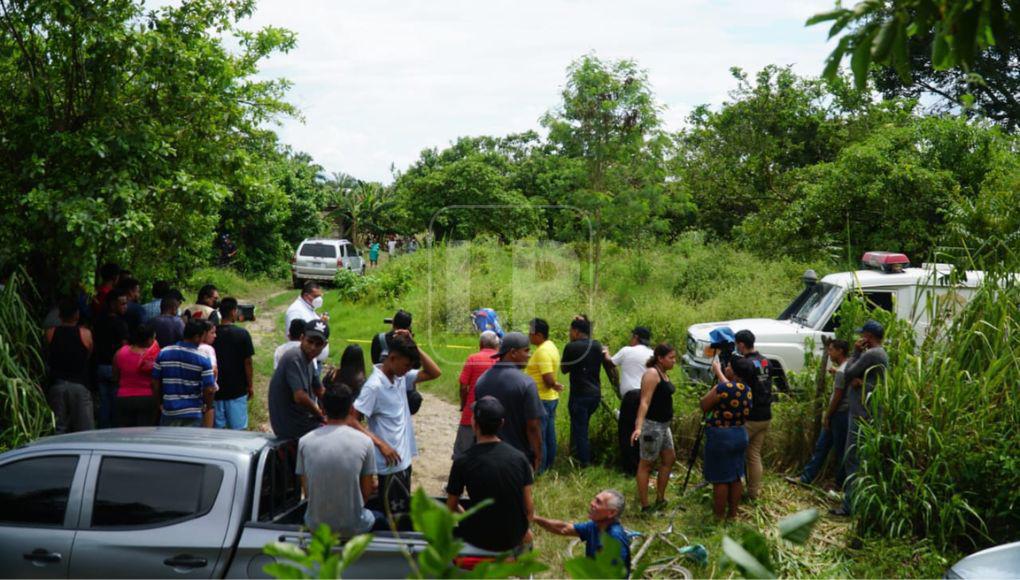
(872, 327)
(488, 409)
(402, 319)
(511, 341)
(317, 329)
(721, 335)
(644, 335)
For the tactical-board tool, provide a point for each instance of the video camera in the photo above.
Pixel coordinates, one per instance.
(723, 344)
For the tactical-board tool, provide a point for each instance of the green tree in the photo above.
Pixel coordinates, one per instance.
(958, 33)
(122, 132)
(609, 121)
(465, 190)
(896, 189)
(736, 160)
(361, 207)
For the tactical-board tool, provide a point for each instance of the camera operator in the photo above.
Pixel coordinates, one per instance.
(380, 342)
(721, 350)
(758, 420)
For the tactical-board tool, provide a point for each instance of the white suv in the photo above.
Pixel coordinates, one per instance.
(887, 281)
(319, 259)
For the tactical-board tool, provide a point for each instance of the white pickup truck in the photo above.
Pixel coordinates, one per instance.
(887, 281)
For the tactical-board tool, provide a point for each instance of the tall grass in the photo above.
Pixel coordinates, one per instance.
(939, 459)
(24, 413)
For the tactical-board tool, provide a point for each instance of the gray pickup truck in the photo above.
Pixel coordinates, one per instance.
(163, 502)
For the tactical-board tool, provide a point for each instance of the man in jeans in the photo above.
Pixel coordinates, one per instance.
(183, 381)
(542, 368)
(336, 463)
(582, 360)
(111, 333)
(234, 352)
(836, 421)
(863, 371)
(474, 367)
(68, 348)
(757, 423)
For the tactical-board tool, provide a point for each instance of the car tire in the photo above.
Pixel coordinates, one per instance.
(297, 282)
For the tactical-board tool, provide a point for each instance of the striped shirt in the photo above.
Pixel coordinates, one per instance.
(185, 373)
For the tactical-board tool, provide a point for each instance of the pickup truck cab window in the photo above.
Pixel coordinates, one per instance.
(280, 489)
(34, 491)
(146, 492)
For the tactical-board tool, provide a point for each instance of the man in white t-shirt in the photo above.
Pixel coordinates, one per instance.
(632, 361)
(383, 403)
(304, 308)
(391, 247)
(294, 331)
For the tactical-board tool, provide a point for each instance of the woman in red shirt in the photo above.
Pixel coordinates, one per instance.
(136, 405)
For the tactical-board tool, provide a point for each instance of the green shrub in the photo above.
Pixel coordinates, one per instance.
(24, 412)
(351, 286)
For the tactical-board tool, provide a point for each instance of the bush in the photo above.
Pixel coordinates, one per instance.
(351, 286)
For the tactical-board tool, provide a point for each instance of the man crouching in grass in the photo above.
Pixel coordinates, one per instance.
(604, 513)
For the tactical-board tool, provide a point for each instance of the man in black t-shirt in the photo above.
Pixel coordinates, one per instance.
(234, 352)
(518, 394)
(111, 333)
(582, 360)
(758, 421)
(381, 341)
(494, 470)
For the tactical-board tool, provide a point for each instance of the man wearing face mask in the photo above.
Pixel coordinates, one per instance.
(383, 403)
(304, 308)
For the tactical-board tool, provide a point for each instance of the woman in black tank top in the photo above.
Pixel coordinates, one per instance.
(651, 429)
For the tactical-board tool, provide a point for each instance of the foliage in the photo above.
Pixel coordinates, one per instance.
(466, 190)
(878, 32)
(751, 554)
(949, 90)
(736, 161)
(380, 285)
(320, 560)
(437, 560)
(24, 413)
(924, 471)
(907, 179)
(350, 285)
(361, 208)
(133, 135)
(609, 122)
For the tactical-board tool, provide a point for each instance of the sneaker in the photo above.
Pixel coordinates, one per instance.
(647, 509)
(841, 512)
(659, 504)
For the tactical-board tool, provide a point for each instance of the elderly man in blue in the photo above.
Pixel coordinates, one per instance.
(183, 381)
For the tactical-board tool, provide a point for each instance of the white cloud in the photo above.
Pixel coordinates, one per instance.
(379, 81)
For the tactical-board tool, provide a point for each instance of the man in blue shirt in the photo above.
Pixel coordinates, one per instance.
(183, 381)
(604, 513)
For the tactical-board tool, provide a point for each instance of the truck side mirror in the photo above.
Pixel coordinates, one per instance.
(810, 278)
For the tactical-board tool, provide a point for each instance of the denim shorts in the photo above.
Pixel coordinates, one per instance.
(655, 438)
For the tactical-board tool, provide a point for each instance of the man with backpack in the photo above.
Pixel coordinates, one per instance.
(757, 423)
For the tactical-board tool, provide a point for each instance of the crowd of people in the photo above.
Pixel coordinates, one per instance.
(115, 362)
(160, 363)
(393, 244)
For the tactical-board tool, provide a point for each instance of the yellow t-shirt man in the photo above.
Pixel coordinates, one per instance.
(545, 359)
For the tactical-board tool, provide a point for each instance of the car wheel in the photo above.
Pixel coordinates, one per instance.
(297, 282)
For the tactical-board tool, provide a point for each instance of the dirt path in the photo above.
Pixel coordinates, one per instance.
(266, 337)
(435, 428)
(435, 424)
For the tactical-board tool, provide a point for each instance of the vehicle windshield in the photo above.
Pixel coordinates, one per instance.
(813, 303)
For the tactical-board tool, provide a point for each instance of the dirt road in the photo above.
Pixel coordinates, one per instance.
(435, 424)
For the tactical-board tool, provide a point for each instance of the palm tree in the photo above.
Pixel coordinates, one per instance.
(359, 206)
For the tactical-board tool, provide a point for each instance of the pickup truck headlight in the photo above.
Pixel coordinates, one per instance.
(696, 348)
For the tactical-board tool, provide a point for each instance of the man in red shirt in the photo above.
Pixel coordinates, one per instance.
(109, 275)
(474, 367)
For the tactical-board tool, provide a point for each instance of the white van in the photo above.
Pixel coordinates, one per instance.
(319, 259)
(887, 281)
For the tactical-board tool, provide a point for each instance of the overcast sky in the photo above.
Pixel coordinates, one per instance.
(378, 81)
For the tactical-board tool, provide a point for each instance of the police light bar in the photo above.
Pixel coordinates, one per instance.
(888, 262)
